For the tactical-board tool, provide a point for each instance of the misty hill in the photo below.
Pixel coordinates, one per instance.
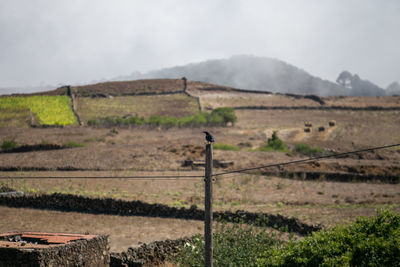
(250, 72)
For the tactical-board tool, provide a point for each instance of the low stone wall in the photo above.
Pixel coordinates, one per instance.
(337, 177)
(92, 252)
(29, 148)
(65, 202)
(370, 108)
(148, 254)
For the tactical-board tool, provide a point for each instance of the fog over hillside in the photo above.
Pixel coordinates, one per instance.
(263, 74)
(253, 73)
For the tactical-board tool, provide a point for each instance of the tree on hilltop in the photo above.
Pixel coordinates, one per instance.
(345, 78)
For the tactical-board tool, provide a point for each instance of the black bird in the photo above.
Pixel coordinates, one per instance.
(209, 137)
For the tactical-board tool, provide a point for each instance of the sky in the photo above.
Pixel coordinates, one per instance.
(79, 41)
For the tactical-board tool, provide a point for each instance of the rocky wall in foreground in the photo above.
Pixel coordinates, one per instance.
(93, 252)
(148, 254)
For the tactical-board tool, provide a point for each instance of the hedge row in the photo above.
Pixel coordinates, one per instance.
(218, 117)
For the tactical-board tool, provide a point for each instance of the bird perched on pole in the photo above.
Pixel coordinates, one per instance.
(209, 138)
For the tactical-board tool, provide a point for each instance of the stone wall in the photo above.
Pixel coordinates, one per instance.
(85, 252)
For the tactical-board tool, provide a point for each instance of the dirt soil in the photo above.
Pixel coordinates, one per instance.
(124, 231)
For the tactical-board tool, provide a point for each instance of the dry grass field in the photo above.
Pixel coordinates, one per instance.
(177, 105)
(15, 117)
(241, 99)
(124, 88)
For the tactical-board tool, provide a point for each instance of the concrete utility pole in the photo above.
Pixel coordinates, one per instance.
(208, 218)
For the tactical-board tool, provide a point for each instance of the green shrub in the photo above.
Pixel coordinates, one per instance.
(154, 120)
(219, 146)
(195, 120)
(73, 144)
(92, 122)
(308, 150)
(133, 120)
(236, 245)
(274, 144)
(366, 242)
(8, 144)
(222, 116)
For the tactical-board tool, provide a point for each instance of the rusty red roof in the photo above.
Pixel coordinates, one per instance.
(42, 238)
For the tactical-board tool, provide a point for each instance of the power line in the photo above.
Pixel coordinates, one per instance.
(182, 177)
(305, 160)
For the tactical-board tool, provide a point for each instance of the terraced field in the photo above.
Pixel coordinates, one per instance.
(177, 105)
(329, 192)
(50, 110)
(15, 117)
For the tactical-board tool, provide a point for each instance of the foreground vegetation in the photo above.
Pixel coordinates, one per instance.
(367, 242)
(50, 110)
(219, 116)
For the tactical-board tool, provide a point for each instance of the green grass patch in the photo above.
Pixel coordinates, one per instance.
(307, 149)
(50, 110)
(73, 144)
(8, 144)
(373, 241)
(220, 146)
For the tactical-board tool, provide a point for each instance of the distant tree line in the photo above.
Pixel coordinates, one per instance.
(359, 87)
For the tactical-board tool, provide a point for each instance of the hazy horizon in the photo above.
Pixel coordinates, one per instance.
(52, 43)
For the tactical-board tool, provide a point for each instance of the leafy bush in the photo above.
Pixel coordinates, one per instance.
(222, 116)
(366, 242)
(237, 245)
(308, 150)
(8, 144)
(225, 147)
(274, 144)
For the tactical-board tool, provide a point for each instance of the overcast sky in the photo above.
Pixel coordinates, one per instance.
(77, 41)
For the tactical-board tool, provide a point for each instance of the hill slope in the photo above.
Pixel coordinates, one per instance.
(250, 72)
